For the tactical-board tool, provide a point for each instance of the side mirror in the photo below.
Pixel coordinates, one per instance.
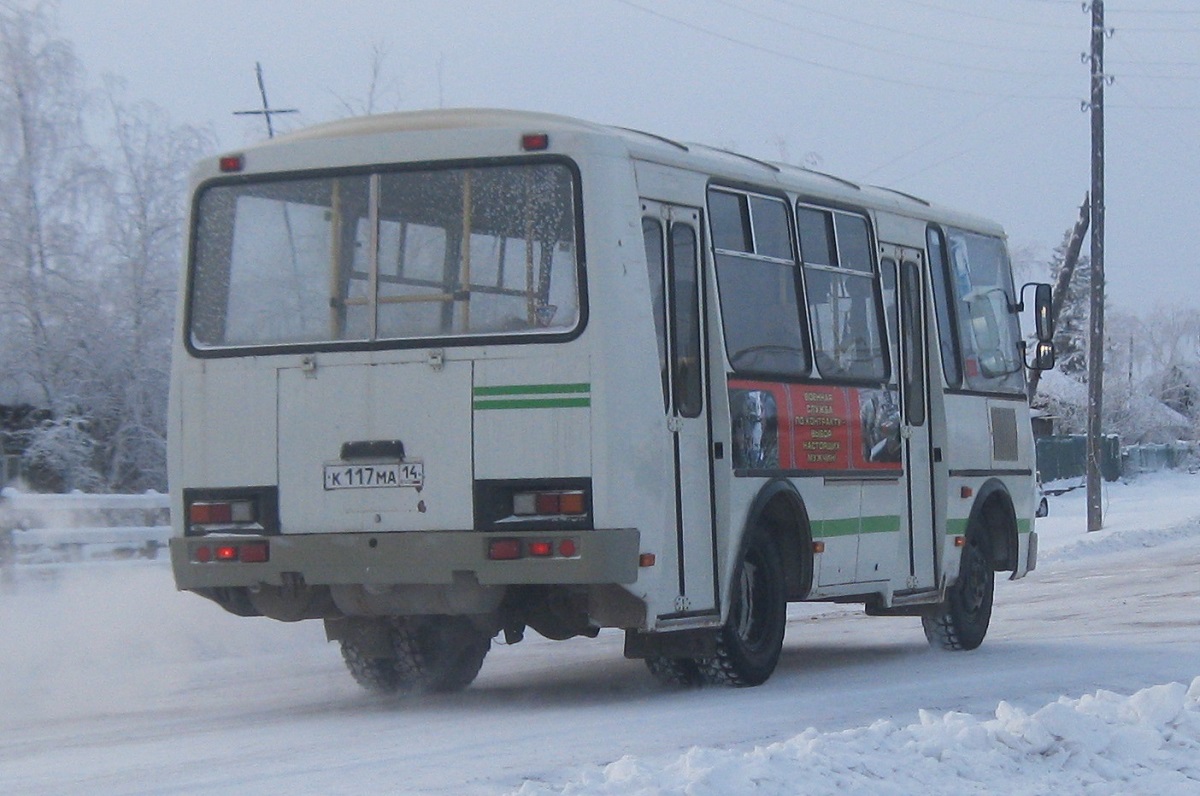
(1043, 320)
(1043, 355)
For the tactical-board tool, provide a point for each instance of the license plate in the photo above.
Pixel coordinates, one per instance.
(371, 476)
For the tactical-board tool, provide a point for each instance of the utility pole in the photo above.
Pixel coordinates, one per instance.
(1063, 282)
(1095, 519)
(267, 111)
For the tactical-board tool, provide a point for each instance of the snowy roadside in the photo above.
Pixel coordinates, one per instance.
(1102, 743)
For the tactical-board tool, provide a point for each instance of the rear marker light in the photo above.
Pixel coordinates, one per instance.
(210, 513)
(549, 504)
(256, 553)
(231, 163)
(646, 560)
(571, 503)
(252, 553)
(504, 549)
(960, 541)
(541, 549)
(535, 142)
(221, 512)
(818, 547)
(567, 548)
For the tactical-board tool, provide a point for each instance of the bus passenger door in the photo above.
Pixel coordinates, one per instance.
(902, 275)
(672, 239)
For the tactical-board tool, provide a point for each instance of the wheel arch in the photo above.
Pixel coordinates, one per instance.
(994, 516)
(779, 508)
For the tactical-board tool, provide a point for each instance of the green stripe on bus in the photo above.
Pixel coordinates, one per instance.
(533, 403)
(888, 523)
(831, 528)
(956, 527)
(1024, 526)
(533, 389)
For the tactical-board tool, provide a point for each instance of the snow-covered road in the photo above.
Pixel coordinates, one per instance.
(112, 682)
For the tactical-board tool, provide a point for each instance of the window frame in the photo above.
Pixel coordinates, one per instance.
(873, 275)
(748, 194)
(390, 343)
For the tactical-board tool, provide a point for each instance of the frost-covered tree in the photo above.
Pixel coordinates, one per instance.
(140, 257)
(47, 175)
(90, 246)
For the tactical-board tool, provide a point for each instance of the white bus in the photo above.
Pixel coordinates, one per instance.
(443, 376)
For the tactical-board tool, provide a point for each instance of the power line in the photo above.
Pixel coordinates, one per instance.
(1041, 24)
(908, 56)
(974, 45)
(829, 67)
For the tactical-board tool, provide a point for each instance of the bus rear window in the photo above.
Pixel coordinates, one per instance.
(404, 255)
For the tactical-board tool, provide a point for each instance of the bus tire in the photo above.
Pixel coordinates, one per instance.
(377, 675)
(437, 654)
(749, 645)
(961, 621)
(683, 672)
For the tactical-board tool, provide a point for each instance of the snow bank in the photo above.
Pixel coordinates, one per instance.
(1102, 743)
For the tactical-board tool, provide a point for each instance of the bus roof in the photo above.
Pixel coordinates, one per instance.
(721, 163)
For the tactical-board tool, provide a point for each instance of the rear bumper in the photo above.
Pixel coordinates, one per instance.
(600, 556)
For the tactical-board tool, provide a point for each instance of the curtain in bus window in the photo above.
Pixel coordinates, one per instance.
(988, 331)
(268, 258)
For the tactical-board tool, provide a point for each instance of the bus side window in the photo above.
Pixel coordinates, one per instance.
(685, 310)
(947, 331)
(652, 235)
(842, 300)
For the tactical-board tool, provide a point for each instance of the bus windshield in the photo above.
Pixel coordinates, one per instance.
(989, 338)
(399, 255)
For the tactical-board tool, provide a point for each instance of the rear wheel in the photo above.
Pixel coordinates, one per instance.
(676, 671)
(961, 621)
(749, 645)
(423, 654)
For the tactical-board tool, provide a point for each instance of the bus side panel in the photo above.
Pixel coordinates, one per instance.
(227, 427)
(533, 416)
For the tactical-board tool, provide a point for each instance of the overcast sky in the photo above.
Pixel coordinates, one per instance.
(969, 104)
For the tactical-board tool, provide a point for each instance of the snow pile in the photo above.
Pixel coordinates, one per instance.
(1099, 744)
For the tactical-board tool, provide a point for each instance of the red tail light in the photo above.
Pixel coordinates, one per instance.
(504, 549)
(247, 553)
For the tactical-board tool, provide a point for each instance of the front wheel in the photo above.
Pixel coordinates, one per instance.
(961, 621)
(749, 645)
